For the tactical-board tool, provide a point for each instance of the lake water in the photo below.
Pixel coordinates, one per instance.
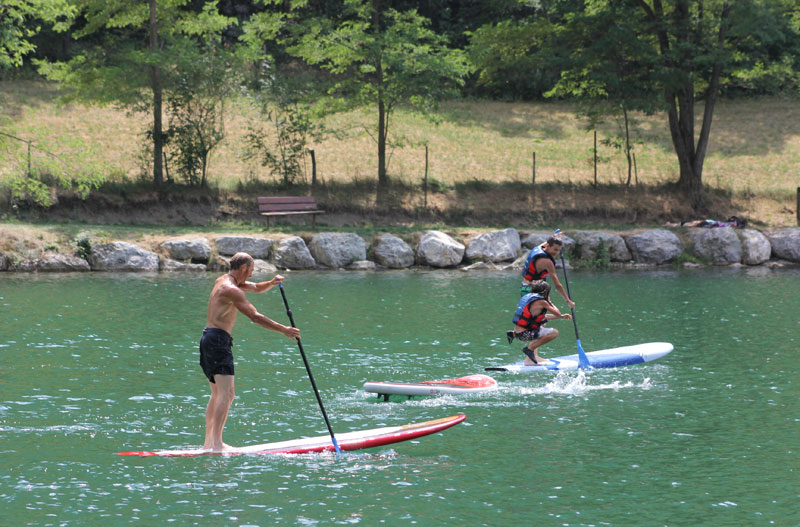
(98, 363)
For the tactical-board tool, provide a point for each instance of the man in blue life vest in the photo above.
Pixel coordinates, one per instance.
(533, 312)
(540, 264)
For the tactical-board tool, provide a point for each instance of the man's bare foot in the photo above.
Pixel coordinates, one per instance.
(225, 447)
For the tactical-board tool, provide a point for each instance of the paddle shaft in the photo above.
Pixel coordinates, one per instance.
(583, 360)
(310, 375)
(572, 309)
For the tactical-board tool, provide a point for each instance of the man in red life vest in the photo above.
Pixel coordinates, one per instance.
(541, 264)
(533, 312)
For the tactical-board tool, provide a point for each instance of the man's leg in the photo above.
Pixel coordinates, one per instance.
(222, 394)
(534, 346)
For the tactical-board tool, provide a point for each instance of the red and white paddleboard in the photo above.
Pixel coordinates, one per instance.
(468, 384)
(348, 441)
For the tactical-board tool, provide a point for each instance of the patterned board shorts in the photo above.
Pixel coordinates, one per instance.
(531, 335)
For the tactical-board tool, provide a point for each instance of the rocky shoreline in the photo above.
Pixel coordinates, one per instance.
(502, 249)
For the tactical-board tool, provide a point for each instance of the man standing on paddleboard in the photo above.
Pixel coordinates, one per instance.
(216, 359)
(540, 264)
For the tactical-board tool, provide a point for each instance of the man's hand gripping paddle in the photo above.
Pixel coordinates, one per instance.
(583, 360)
(310, 376)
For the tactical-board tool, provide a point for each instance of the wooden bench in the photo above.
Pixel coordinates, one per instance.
(286, 205)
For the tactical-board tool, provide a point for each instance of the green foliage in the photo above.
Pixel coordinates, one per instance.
(118, 66)
(507, 57)
(82, 244)
(381, 57)
(24, 188)
(20, 21)
(204, 78)
(601, 260)
(289, 120)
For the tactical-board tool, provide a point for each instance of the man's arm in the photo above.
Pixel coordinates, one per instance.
(250, 311)
(557, 283)
(261, 287)
(555, 312)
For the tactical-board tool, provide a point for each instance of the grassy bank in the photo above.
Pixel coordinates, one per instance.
(480, 158)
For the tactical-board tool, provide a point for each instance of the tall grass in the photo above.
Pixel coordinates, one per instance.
(754, 149)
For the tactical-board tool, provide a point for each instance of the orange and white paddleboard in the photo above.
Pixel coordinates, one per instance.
(460, 385)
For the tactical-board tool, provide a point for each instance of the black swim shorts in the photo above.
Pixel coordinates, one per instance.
(215, 353)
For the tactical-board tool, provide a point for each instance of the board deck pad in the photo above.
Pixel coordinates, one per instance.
(459, 385)
(610, 358)
(357, 440)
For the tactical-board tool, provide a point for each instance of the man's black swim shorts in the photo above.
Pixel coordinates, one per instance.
(215, 353)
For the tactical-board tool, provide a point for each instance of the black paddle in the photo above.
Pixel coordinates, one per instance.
(310, 376)
(583, 360)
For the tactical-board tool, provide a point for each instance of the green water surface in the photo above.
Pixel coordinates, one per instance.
(98, 363)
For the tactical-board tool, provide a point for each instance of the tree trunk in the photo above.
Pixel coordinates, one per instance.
(155, 84)
(627, 144)
(382, 178)
(381, 143)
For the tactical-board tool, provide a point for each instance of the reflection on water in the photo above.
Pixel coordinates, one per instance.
(100, 363)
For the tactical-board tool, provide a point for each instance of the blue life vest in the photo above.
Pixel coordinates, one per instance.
(523, 316)
(529, 271)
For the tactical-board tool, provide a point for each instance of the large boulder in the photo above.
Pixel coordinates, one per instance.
(390, 251)
(496, 246)
(437, 249)
(720, 245)
(756, 248)
(169, 265)
(122, 256)
(338, 249)
(5, 262)
(197, 250)
(263, 267)
(258, 248)
(587, 244)
(292, 253)
(537, 238)
(785, 243)
(657, 246)
(61, 263)
(361, 265)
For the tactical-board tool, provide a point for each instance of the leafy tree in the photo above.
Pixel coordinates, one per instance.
(508, 57)
(382, 57)
(696, 46)
(204, 79)
(20, 22)
(608, 73)
(289, 121)
(135, 54)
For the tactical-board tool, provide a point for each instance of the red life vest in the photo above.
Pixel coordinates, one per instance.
(529, 272)
(525, 318)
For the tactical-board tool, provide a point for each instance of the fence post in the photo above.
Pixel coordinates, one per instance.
(595, 158)
(533, 181)
(425, 180)
(313, 168)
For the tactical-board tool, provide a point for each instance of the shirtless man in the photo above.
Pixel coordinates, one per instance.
(216, 359)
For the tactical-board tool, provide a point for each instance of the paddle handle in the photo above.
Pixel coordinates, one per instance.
(310, 375)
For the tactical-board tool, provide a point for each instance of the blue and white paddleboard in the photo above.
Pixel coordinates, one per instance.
(610, 358)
